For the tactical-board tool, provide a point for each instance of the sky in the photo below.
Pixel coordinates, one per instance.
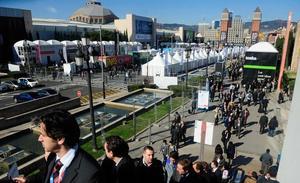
(189, 12)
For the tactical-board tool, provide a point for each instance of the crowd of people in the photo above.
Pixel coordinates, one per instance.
(65, 161)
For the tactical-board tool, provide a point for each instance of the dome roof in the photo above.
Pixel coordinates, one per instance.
(94, 8)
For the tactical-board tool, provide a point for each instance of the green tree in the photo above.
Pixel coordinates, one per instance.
(279, 46)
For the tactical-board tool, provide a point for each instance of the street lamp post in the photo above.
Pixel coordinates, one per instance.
(102, 69)
(188, 52)
(206, 69)
(171, 54)
(83, 53)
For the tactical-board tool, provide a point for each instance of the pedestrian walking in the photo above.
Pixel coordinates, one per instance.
(265, 105)
(246, 114)
(263, 121)
(273, 124)
(266, 161)
(280, 97)
(182, 131)
(230, 152)
(217, 115)
(164, 150)
(226, 135)
(194, 105)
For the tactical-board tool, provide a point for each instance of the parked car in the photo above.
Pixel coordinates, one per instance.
(28, 82)
(12, 84)
(26, 96)
(47, 91)
(3, 87)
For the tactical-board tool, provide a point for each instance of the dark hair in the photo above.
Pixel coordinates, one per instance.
(174, 155)
(218, 149)
(254, 174)
(148, 148)
(186, 164)
(198, 165)
(117, 145)
(205, 166)
(61, 124)
(215, 163)
(268, 150)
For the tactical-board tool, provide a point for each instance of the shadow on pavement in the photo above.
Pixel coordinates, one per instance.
(251, 123)
(241, 160)
(188, 156)
(244, 133)
(188, 141)
(238, 144)
(278, 132)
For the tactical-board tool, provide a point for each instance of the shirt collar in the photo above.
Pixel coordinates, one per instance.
(118, 161)
(144, 162)
(67, 158)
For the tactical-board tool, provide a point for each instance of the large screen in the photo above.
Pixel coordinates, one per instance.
(143, 27)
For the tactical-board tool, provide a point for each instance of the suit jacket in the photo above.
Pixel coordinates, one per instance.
(124, 171)
(152, 174)
(83, 168)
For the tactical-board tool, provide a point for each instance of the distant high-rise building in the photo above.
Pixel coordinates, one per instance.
(255, 28)
(226, 20)
(203, 28)
(215, 24)
(236, 31)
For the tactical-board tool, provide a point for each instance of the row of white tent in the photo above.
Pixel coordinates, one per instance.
(176, 61)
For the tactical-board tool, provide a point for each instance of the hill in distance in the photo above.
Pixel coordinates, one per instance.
(266, 26)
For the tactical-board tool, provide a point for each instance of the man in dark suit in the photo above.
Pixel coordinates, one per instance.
(66, 162)
(116, 149)
(148, 168)
(184, 173)
(263, 121)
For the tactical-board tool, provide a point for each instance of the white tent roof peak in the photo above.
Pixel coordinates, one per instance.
(41, 42)
(263, 47)
(157, 60)
(54, 42)
(68, 43)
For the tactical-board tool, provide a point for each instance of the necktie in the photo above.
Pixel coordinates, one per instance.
(55, 171)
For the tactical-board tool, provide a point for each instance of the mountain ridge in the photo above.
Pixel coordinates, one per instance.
(266, 26)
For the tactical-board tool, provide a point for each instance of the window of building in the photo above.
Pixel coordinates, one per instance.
(96, 20)
(91, 20)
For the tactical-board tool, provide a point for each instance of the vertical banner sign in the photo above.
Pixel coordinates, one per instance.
(203, 132)
(203, 99)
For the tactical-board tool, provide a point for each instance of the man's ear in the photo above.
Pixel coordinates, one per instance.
(61, 141)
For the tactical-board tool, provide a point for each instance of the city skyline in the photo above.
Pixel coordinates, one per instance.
(165, 11)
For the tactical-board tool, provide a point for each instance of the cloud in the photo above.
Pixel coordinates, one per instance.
(52, 9)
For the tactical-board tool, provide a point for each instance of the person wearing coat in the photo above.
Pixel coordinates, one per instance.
(263, 121)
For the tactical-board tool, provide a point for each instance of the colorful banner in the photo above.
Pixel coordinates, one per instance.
(115, 60)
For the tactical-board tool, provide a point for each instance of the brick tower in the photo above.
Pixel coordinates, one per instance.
(226, 19)
(255, 28)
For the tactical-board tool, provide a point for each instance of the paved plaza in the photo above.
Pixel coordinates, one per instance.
(249, 147)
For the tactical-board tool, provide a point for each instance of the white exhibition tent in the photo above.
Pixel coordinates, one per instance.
(155, 67)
